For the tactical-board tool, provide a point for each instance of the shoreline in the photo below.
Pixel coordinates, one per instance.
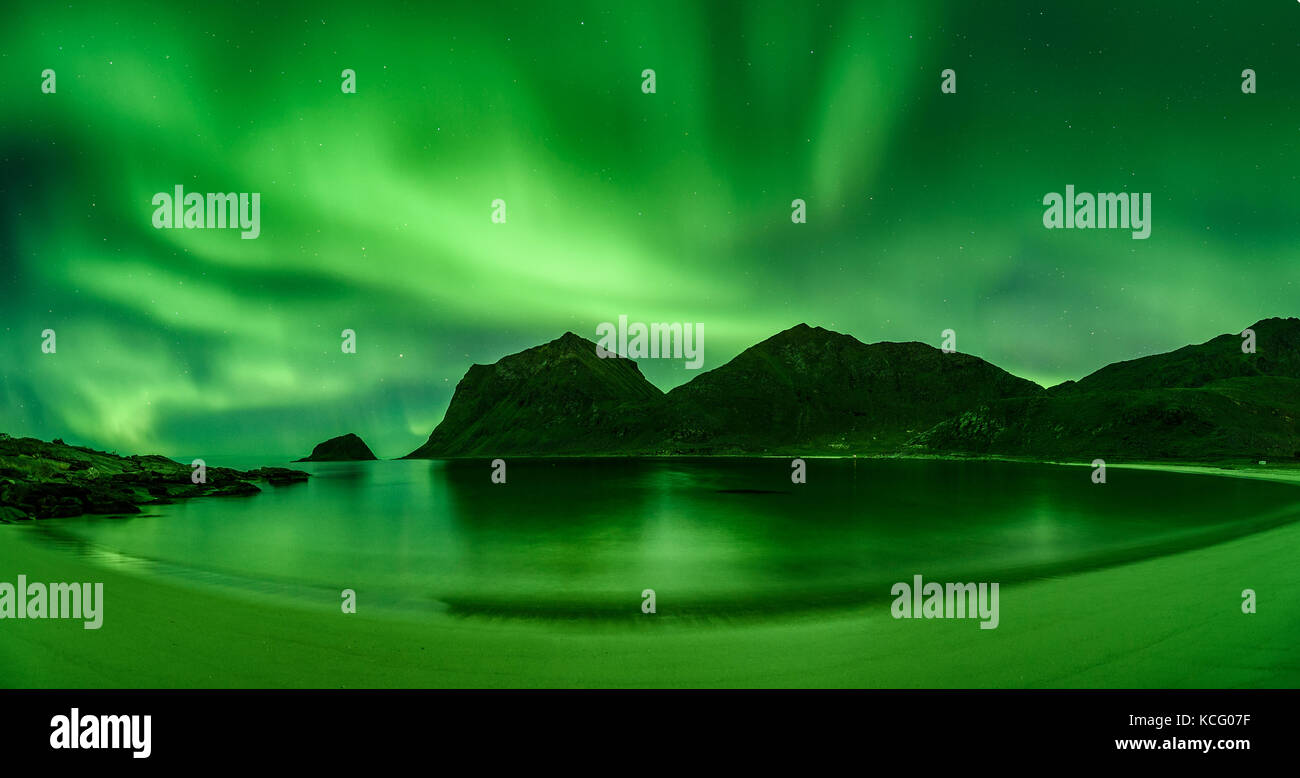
(1168, 620)
(42, 480)
(1282, 473)
(1172, 621)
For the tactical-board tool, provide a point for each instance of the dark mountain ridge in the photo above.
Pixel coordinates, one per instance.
(808, 390)
(812, 389)
(1204, 402)
(805, 389)
(1276, 354)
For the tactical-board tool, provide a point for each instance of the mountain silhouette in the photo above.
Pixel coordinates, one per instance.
(810, 389)
(556, 398)
(1277, 353)
(806, 389)
(1203, 402)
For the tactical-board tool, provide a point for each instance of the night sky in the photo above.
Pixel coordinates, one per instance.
(924, 209)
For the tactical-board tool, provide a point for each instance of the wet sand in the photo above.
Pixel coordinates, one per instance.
(1166, 622)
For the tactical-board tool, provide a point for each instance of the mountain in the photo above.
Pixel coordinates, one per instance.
(556, 398)
(810, 390)
(1204, 402)
(1277, 353)
(344, 448)
(804, 390)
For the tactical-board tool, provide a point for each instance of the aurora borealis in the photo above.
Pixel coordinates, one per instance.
(924, 209)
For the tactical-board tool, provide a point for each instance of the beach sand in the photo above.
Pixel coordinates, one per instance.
(1166, 622)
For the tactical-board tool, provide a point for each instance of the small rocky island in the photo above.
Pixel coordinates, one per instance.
(40, 480)
(344, 448)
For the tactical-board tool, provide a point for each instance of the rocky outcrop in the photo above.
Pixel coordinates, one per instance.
(40, 480)
(344, 448)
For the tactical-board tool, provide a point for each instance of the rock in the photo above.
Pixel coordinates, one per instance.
(10, 514)
(280, 476)
(344, 448)
(234, 489)
(40, 480)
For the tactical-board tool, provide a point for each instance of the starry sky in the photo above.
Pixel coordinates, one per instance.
(924, 209)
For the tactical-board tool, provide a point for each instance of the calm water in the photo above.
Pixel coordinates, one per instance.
(715, 538)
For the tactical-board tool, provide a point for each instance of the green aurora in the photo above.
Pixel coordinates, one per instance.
(924, 209)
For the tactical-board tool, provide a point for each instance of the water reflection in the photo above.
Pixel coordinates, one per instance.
(714, 538)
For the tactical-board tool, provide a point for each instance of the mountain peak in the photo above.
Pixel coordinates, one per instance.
(570, 338)
(803, 328)
(557, 397)
(1277, 322)
(821, 389)
(801, 334)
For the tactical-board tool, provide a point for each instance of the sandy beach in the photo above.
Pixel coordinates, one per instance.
(1166, 622)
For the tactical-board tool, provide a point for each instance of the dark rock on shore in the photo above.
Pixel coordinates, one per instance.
(279, 476)
(40, 480)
